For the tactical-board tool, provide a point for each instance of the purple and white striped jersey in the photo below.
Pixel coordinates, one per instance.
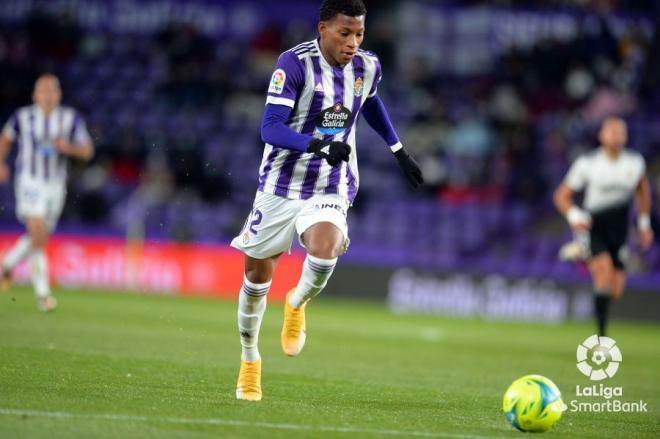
(36, 133)
(325, 102)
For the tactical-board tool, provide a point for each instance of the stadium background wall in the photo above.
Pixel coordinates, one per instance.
(489, 297)
(207, 270)
(151, 267)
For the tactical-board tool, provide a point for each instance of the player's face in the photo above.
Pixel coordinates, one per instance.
(613, 135)
(47, 93)
(341, 37)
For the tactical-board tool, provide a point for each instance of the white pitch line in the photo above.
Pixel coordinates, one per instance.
(230, 422)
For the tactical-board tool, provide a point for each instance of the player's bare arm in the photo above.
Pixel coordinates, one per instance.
(576, 217)
(5, 145)
(643, 205)
(83, 151)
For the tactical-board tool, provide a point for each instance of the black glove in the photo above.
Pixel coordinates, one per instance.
(410, 168)
(333, 152)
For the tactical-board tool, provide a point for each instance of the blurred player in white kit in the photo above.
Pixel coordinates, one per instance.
(612, 178)
(47, 134)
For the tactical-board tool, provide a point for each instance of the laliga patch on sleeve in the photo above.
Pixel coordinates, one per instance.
(277, 82)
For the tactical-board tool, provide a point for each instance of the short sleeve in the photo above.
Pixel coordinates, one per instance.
(11, 128)
(642, 166)
(79, 133)
(576, 178)
(287, 80)
(378, 75)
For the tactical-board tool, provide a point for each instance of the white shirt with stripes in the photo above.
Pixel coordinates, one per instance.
(325, 102)
(35, 133)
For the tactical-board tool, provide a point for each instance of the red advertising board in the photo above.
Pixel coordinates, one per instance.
(151, 267)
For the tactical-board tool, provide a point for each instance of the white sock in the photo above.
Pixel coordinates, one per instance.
(251, 308)
(315, 275)
(17, 253)
(40, 273)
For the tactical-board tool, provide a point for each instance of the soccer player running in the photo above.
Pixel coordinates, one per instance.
(47, 134)
(308, 176)
(611, 177)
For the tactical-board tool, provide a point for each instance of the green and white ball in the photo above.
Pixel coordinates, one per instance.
(532, 403)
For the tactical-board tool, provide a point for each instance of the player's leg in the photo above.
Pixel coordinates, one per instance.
(618, 283)
(16, 254)
(618, 280)
(28, 202)
(252, 303)
(251, 309)
(38, 231)
(40, 225)
(324, 243)
(618, 273)
(602, 274)
(324, 233)
(268, 232)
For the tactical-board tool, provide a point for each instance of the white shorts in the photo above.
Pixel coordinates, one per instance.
(39, 199)
(274, 221)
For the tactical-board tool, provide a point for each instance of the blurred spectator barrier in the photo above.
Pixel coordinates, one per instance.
(151, 267)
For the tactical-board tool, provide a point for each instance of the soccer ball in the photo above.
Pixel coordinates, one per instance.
(532, 403)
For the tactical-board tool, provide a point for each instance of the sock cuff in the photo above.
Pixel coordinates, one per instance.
(253, 289)
(602, 293)
(313, 260)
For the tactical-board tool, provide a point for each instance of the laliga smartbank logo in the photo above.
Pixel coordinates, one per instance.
(599, 358)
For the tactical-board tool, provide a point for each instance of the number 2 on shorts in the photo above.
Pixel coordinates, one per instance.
(255, 220)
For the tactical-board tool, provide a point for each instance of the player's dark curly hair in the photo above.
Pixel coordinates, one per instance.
(351, 8)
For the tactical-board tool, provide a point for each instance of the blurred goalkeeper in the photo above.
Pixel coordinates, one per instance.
(47, 135)
(611, 177)
(308, 176)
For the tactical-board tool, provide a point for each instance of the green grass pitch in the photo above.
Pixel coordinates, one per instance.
(122, 365)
